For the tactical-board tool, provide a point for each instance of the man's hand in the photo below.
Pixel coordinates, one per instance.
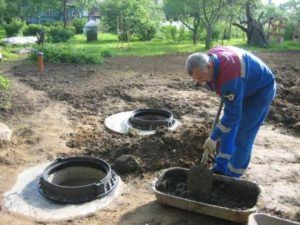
(209, 147)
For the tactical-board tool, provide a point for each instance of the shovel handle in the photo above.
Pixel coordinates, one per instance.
(216, 120)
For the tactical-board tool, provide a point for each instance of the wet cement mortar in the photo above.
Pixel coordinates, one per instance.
(222, 193)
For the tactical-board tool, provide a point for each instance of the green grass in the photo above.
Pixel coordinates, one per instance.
(8, 51)
(108, 42)
(77, 50)
(273, 47)
(2, 32)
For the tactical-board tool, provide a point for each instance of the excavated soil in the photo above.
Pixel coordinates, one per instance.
(132, 83)
(122, 84)
(286, 107)
(61, 112)
(161, 150)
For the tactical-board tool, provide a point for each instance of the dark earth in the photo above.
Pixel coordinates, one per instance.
(86, 95)
(121, 84)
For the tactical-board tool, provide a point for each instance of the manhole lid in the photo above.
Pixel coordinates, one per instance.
(77, 180)
(141, 121)
(150, 119)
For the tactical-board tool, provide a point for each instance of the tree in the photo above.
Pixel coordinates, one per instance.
(187, 12)
(212, 12)
(131, 17)
(2, 8)
(85, 4)
(23, 9)
(253, 27)
(192, 12)
(293, 8)
(229, 17)
(65, 13)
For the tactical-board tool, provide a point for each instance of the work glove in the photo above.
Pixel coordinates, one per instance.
(209, 147)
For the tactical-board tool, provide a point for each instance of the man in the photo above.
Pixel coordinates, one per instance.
(247, 87)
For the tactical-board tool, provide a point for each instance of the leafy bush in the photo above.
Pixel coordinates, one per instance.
(289, 30)
(173, 34)
(145, 31)
(33, 29)
(132, 17)
(54, 24)
(79, 23)
(4, 83)
(5, 102)
(60, 34)
(15, 27)
(106, 53)
(65, 53)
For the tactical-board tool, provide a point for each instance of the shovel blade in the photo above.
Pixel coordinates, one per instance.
(199, 182)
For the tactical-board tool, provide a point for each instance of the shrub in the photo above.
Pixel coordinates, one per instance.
(106, 53)
(15, 27)
(60, 34)
(173, 34)
(54, 24)
(289, 30)
(79, 23)
(5, 103)
(4, 83)
(33, 29)
(146, 31)
(65, 53)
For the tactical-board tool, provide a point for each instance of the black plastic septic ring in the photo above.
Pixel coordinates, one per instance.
(77, 180)
(150, 119)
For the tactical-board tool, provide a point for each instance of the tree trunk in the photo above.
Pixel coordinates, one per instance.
(230, 26)
(254, 29)
(65, 14)
(193, 28)
(208, 36)
(195, 35)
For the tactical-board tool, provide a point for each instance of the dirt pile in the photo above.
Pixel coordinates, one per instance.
(158, 82)
(164, 149)
(127, 164)
(92, 93)
(12, 103)
(285, 110)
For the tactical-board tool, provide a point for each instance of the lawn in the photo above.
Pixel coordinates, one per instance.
(2, 32)
(159, 47)
(77, 50)
(109, 42)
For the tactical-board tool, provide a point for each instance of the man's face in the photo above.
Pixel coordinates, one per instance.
(202, 75)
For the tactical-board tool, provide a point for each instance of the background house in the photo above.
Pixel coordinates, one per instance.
(52, 15)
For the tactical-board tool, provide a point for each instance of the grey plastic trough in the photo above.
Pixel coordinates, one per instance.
(204, 208)
(264, 219)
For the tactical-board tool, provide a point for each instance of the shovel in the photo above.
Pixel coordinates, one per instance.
(199, 177)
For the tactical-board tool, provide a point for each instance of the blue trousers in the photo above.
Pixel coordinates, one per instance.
(236, 146)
